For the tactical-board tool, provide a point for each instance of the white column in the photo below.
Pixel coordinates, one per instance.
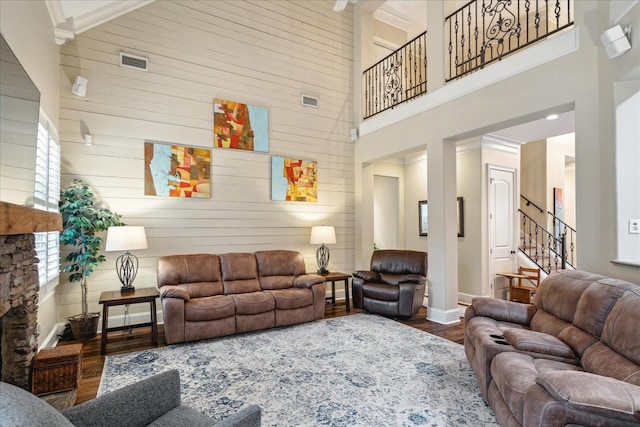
(443, 245)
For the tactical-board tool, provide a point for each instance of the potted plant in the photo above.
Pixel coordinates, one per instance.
(81, 222)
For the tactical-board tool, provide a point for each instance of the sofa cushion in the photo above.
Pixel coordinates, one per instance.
(546, 322)
(583, 391)
(381, 292)
(620, 331)
(287, 299)
(602, 360)
(513, 374)
(537, 342)
(198, 273)
(560, 292)
(595, 304)
(254, 302)
(18, 407)
(209, 308)
(278, 268)
(239, 273)
(395, 261)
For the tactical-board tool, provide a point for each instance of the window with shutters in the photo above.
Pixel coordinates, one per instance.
(46, 197)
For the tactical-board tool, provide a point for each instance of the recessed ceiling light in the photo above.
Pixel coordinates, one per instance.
(552, 116)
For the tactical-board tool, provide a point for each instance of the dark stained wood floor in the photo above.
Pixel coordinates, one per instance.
(140, 339)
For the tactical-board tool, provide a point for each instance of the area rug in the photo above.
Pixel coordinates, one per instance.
(358, 370)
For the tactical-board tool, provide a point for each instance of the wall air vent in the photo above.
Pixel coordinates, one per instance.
(132, 61)
(309, 101)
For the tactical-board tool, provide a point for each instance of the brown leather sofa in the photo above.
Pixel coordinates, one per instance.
(571, 358)
(206, 296)
(395, 284)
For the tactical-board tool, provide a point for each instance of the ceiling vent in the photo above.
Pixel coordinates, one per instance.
(309, 101)
(132, 61)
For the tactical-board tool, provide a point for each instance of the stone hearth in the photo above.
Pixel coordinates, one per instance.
(19, 288)
(19, 310)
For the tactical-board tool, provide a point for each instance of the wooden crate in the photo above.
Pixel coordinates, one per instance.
(56, 369)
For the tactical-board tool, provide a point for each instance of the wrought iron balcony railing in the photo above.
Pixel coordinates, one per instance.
(399, 77)
(485, 31)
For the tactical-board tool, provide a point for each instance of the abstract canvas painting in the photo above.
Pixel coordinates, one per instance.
(240, 126)
(176, 171)
(294, 180)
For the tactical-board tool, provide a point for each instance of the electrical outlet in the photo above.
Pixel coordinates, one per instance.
(634, 226)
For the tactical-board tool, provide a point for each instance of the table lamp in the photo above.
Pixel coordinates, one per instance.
(323, 235)
(126, 238)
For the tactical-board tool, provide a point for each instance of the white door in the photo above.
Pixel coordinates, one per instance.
(502, 258)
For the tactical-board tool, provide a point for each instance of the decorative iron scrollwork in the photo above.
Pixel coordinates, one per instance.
(393, 82)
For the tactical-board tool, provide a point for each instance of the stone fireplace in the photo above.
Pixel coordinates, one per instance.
(19, 288)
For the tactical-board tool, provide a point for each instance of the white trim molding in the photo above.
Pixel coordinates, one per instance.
(444, 317)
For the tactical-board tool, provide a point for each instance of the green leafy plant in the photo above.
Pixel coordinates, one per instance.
(81, 222)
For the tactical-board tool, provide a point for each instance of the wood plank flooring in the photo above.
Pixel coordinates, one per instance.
(140, 339)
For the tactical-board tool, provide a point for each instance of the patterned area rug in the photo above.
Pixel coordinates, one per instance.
(354, 370)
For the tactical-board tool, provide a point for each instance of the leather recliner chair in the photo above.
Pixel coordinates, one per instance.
(395, 284)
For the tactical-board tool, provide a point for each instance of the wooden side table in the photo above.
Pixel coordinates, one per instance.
(511, 277)
(114, 298)
(334, 277)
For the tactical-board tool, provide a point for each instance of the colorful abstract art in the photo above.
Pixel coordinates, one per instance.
(176, 171)
(240, 126)
(294, 180)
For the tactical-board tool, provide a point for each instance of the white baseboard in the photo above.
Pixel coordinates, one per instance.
(52, 338)
(444, 317)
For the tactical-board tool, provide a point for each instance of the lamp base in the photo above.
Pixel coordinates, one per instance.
(127, 289)
(323, 271)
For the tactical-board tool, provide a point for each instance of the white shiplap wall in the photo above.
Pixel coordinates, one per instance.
(265, 53)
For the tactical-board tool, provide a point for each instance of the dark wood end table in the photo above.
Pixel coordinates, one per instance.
(114, 298)
(334, 277)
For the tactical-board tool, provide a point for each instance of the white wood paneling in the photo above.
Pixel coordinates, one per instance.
(265, 53)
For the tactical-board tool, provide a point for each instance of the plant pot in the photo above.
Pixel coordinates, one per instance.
(84, 328)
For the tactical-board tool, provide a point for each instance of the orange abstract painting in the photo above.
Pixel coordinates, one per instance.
(177, 171)
(294, 180)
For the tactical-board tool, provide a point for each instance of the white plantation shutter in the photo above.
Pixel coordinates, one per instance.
(46, 196)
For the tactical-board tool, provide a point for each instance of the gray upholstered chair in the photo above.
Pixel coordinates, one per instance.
(153, 401)
(395, 284)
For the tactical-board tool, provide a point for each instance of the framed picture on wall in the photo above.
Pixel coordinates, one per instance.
(423, 218)
(460, 217)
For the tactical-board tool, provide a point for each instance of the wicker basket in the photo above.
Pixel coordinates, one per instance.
(56, 369)
(84, 328)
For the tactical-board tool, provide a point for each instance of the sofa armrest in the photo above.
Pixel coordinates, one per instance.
(507, 311)
(596, 394)
(307, 280)
(366, 275)
(172, 291)
(137, 404)
(247, 417)
(412, 278)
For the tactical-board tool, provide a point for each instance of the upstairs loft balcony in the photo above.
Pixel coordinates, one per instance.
(476, 35)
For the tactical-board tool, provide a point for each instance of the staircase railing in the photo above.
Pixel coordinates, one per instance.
(398, 78)
(482, 32)
(561, 228)
(530, 203)
(541, 246)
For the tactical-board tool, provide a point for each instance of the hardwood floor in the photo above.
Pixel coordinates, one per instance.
(140, 339)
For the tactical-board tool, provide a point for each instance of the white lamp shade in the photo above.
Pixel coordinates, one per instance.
(323, 234)
(126, 238)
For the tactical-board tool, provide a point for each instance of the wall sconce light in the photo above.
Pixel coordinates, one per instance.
(616, 41)
(323, 235)
(80, 86)
(88, 140)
